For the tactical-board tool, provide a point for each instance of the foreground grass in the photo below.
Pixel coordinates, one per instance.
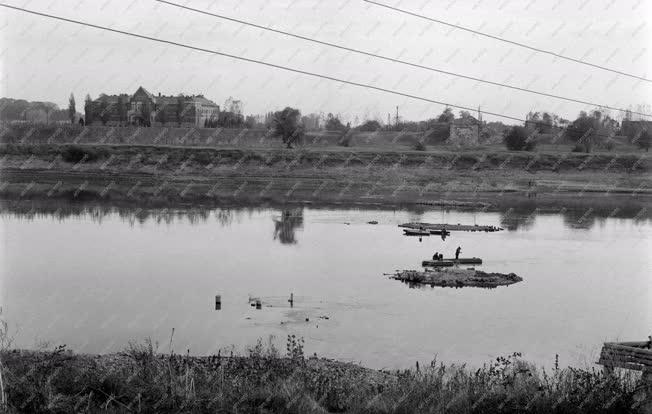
(140, 379)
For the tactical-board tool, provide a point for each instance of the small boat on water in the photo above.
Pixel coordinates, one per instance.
(411, 232)
(451, 261)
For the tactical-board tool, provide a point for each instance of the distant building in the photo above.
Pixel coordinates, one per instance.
(633, 128)
(146, 109)
(464, 131)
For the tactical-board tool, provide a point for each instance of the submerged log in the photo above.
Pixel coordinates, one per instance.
(457, 277)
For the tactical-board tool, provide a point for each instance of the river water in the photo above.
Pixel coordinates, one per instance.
(96, 279)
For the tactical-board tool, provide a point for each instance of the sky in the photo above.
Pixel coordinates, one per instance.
(46, 60)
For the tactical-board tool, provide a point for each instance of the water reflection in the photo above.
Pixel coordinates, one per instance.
(575, 219)
(287, 224)
(100, 303)
(515, 218)
(97, 213)
(426, 286)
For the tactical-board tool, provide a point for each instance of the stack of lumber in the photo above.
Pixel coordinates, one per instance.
(628, 355)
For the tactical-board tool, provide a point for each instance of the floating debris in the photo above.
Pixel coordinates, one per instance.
(449, 227)
(456, 277)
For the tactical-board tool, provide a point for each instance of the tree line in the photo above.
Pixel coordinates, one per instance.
(588, 131)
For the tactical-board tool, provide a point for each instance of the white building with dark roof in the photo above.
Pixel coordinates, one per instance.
(146, 109)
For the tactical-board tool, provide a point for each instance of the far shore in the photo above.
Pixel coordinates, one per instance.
(167, 176)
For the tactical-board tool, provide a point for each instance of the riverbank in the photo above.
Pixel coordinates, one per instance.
(141, 379)
(172, 175)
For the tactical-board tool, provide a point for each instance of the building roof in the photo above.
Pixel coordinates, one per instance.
(204, 101)
(159, 99)
(111, 98)
(146, 92)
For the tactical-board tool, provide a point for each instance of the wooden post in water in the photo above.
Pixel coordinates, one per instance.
(291, 300)
(218, 302)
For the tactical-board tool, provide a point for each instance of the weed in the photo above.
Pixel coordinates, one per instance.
(77, 153)
(142, 379)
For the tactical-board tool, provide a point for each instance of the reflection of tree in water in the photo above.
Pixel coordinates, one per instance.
(224, 217)
(286, 225)
(522, 218)
(579, 219)
(415, 214)
(513, 219)
(62, 210)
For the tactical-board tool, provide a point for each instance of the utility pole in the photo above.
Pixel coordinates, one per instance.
(479, 123)
(397, 116)
(389, 123)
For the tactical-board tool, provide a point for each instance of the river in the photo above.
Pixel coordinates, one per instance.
(97, 278)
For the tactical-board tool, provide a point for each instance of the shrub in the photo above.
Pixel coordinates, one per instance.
(143, 380)
(76, 153)
(518, 139)
(419, 146)
(370, 126)
(345, 140)
(286, 125)
(644, 140)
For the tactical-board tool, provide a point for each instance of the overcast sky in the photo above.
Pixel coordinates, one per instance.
(44, 59)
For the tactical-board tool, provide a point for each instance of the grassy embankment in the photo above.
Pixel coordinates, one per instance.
(143, 380)
(218, 169)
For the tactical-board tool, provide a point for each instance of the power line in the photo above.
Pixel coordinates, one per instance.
(512, 42)
(390, 59)
(273, 65)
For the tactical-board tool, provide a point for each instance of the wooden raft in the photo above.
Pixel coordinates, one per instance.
(629, 355)
(449, 227)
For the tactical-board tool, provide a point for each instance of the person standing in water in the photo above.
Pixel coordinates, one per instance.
(457, 252)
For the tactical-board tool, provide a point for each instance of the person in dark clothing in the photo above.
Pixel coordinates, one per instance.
(457, 252)
(435, 256)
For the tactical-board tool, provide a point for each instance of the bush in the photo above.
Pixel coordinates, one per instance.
(345, 140)
(76, 153)
(518, 139)
(644, 140)
(370, 126)
(419, 146)
(141, 379)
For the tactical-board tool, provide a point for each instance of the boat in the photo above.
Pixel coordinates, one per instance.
(451, 262)
(411, 232)
(440, 232)
(450, 227)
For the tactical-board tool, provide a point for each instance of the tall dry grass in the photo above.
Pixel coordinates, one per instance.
(143, 379)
